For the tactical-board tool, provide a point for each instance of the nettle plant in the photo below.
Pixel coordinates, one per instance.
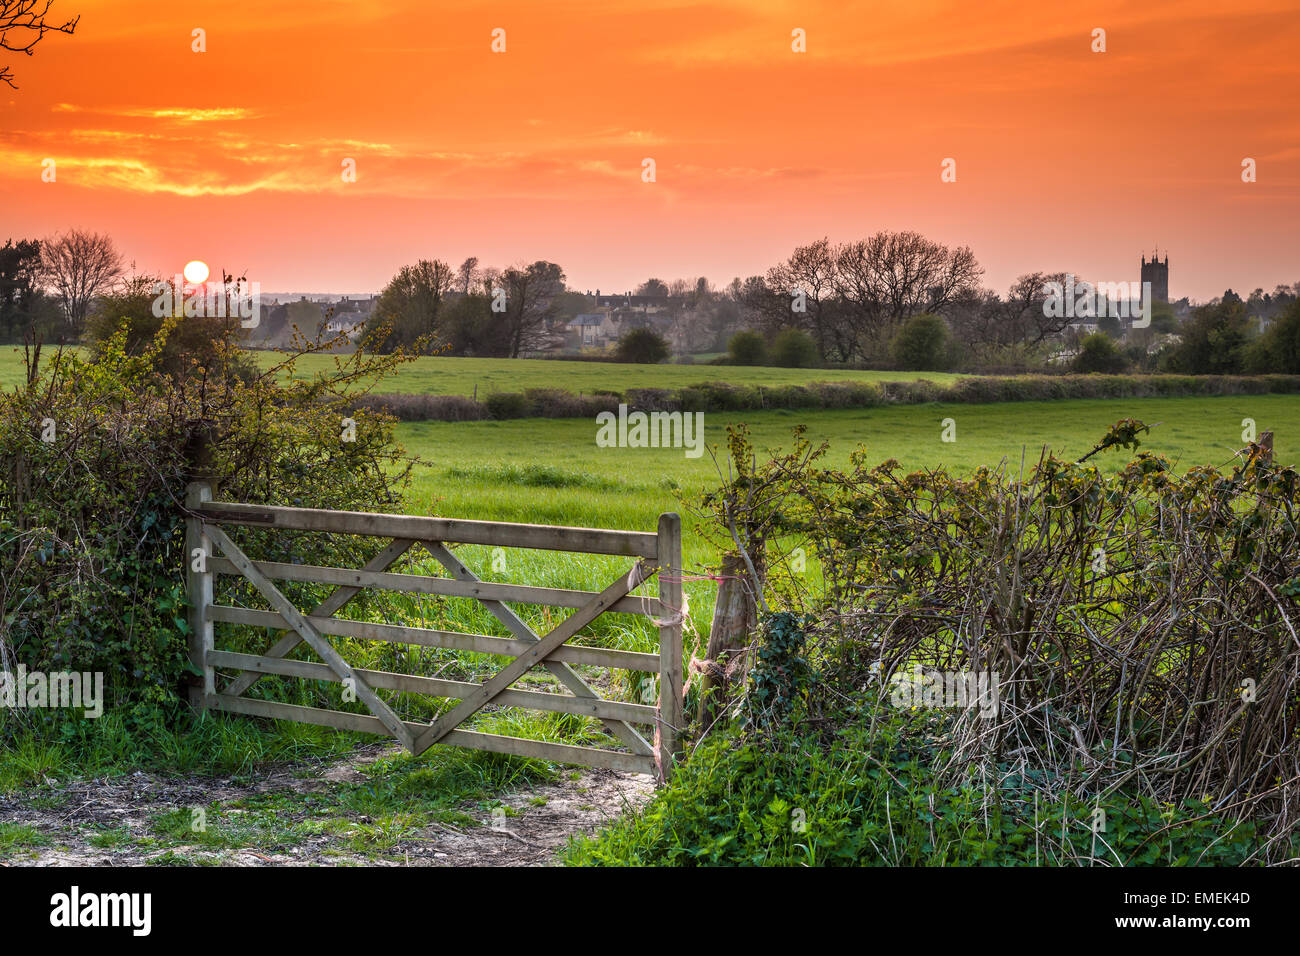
(1143, 622)
(781, 677)
(95, 456)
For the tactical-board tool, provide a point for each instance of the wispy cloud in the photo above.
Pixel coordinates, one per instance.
(174, 113)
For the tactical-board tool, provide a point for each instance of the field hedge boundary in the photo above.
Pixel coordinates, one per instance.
(726, 397)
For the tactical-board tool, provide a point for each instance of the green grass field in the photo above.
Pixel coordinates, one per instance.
(461, 376)
(446, 375)
(12, 368)
(550, 471)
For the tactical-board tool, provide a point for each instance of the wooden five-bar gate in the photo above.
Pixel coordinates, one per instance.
(212, 552)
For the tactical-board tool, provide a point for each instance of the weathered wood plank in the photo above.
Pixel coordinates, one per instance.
(449, 640)
(504, 534)
(364, 723)
(442, 587)
(327, 608)
(198, 586)
(614, 710)
(318, 643)
(534, 655)
(672, 610)
(520, 629)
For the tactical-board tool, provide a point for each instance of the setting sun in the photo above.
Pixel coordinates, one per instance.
(196, 271)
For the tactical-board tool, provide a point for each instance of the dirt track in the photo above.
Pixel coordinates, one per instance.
(68, 817)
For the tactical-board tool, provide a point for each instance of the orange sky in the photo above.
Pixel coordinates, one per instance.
(1066, 159)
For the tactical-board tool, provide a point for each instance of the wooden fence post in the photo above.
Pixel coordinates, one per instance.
(198, 587)
(1266, 442)
(669, 557)
(735, 614)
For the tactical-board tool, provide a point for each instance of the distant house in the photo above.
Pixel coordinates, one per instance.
(344, 325)
(628, 300)
(354, 308)
(591, 328)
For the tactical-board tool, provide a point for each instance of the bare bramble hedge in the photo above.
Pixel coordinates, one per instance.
(1144, 624)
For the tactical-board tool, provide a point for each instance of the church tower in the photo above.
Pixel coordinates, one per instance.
(1157, 273)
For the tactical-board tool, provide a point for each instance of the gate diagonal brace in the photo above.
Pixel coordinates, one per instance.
(517, 626)
(319, 644)
(533, 656)
(327, 608)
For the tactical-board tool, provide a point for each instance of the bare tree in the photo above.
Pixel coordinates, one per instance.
(986, 322)
(893, 275)
(467, 273)
(979, 320)
(530, 304)
(811, 270)
(703, 291)
(762, 305)
(79, 266)
(23, 25)
(1025, 311)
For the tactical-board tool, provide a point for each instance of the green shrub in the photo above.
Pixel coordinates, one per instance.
(747, 348)
(1215, 341)
(551, 403)
(557, 403)
(653, 399)
(790, 396)
(724, 397)
(1099, 353)
(911, 393)
(642, 347)
(507, 405)
(781, 675)
(794, 348)
(408, 407)
(693, 398)
(1278, 348)
(848, 394)
(922, 344)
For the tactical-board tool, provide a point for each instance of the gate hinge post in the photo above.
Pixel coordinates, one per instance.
(198, 590)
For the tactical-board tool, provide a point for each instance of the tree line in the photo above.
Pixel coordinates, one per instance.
(894, 299)
(429, 306)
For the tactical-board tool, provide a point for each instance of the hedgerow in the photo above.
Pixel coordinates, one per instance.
(1139, 628)
(727, 397)
(95, 456)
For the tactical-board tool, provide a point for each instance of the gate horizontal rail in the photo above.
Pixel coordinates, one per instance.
(213, 553)
(448, 640)
(505, 534)
(444, 587)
